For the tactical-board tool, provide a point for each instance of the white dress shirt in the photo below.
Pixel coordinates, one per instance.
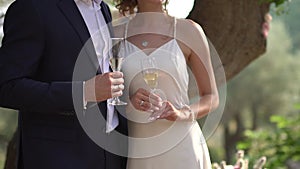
(94, 19)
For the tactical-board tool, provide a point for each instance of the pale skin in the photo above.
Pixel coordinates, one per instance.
(196, 51)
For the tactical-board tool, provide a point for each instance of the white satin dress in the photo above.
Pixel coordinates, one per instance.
(162, 144)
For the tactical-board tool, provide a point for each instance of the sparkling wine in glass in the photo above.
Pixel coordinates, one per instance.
(115, 62)
(150, 75)
(150, 72)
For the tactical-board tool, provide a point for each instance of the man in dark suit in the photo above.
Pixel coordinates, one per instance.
(42, 42)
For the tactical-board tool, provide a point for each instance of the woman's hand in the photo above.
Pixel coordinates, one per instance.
(143, 100)
(169, 112)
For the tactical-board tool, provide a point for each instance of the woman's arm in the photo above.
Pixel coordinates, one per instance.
(195, 47)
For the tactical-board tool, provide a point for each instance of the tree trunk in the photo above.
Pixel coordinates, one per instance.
(233, 137)
(235, 29)
(255, 119)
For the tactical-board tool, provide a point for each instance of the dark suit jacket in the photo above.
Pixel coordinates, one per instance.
(41, 44)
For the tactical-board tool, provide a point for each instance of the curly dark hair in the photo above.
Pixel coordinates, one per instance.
(125, 6)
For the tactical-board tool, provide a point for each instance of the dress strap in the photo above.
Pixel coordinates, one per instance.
(126, 30)
(175, 24)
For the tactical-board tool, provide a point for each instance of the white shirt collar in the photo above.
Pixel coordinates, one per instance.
(89, 2)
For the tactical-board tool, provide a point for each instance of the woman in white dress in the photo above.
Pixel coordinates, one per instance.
(174, 140)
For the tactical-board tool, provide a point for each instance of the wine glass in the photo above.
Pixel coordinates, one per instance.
(150, 72)
(150, 75)
(115, 62)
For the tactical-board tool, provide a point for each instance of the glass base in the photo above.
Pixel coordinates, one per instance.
(117, 102)
(152, 118)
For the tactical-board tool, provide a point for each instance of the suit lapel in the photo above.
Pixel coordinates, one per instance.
(71, 12)
(106, 13)
(73, 15)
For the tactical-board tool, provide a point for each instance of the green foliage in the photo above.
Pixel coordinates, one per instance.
(270, 84)
(279, 145)
(8, 124)
(5, 2)
(292, 24)
(277, 2)
(2, 154)
(297, 106)
(280, 6)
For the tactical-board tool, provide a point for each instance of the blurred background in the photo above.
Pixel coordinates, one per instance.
(263, 100)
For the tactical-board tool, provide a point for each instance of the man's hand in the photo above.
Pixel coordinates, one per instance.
(104, 86)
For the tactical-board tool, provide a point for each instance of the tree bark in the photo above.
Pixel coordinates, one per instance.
(235, 29)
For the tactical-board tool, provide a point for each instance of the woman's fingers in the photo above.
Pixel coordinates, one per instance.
(155, 100)
(165, 111)
(146, 101)
(169, 113)
(140, 100)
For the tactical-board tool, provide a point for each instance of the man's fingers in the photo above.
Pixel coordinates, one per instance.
(116, 74)
(117, 81)
(117, 94)
(116, 88)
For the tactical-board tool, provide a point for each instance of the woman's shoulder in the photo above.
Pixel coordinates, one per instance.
(188, 25)
(119, 27)
(189, 30)
(191, 35)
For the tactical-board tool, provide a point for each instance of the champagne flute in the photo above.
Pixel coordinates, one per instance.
(150, 75)
(150, 72)
(115, 62)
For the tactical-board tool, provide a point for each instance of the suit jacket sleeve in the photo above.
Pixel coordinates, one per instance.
(22, 49)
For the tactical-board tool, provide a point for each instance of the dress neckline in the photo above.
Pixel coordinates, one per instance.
(154, 51)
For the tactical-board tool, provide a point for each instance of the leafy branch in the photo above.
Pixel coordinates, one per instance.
(280, 5)
(277, 2)
(280, 144)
